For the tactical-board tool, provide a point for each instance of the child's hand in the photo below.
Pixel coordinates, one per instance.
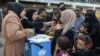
(80, 34)
(73, 50)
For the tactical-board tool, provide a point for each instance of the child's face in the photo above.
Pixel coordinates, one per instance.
(82, 28)
(81, 44)
(53, 23)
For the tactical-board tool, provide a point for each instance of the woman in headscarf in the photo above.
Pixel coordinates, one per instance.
(93, 28)
(29, 21)
(68, 20)
(93, 31)
(12, 30)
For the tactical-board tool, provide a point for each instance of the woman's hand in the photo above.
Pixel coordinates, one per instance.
(47, 23)
(29, 32)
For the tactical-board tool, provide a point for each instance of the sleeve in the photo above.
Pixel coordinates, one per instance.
(24, 22)
(93, 31)
(13, 30)
(53, 44)
(94, 52)
(35, 25)
(31, 24)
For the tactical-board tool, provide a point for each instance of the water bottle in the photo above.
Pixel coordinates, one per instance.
(27, 50)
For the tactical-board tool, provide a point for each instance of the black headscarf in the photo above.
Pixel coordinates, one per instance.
(91, 11)
(29, 14)
(15, 7)
(91, 18)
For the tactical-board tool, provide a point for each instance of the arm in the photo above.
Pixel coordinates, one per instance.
(24, 22)
(13, 30)
(31, 24)
(93, 31)
(55, 52)
(94, 52)
(57, 48)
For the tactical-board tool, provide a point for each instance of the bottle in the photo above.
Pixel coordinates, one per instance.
(27, 50)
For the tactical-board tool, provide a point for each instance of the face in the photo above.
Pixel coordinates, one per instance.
(87, 17)
(44, 13)
(78, 12)
(34, 16)
(82, 28)
(22, 14)
(81, 44)
(53, 23)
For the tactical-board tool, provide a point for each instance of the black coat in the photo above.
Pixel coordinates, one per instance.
(97, 40)
(81, 52)
(93, 32)
(30, 24)
(93, 28)
(95, 52)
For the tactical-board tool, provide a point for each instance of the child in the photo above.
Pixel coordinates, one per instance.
(82, 45)
(83, 29)
(62, 46)
(52, 29)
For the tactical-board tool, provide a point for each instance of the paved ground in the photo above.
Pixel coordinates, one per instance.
(1, 45)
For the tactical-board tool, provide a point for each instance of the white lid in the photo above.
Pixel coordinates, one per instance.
(39, 38)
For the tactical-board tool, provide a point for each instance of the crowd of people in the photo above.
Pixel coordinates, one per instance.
(74, 34)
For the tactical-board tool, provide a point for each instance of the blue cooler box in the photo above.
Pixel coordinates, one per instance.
(40, 45)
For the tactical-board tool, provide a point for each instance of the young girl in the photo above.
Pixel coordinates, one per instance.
(82, 45)
(62, 46)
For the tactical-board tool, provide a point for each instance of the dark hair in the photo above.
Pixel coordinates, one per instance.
(85, 38)
(55, 20)
(80, 8)
(85, 25)
(60, 4)
(41, 10)
(62, 8)
(63, 42)
(92, 11)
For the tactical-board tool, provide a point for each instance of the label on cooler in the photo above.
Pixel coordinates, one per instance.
(42, 52)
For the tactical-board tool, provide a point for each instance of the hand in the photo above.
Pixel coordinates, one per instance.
(80, 34)
(29, 32)
(58, 27)
(48, 23)
(73, 50)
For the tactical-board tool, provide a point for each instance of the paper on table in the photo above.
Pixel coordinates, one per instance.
(38, 38)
